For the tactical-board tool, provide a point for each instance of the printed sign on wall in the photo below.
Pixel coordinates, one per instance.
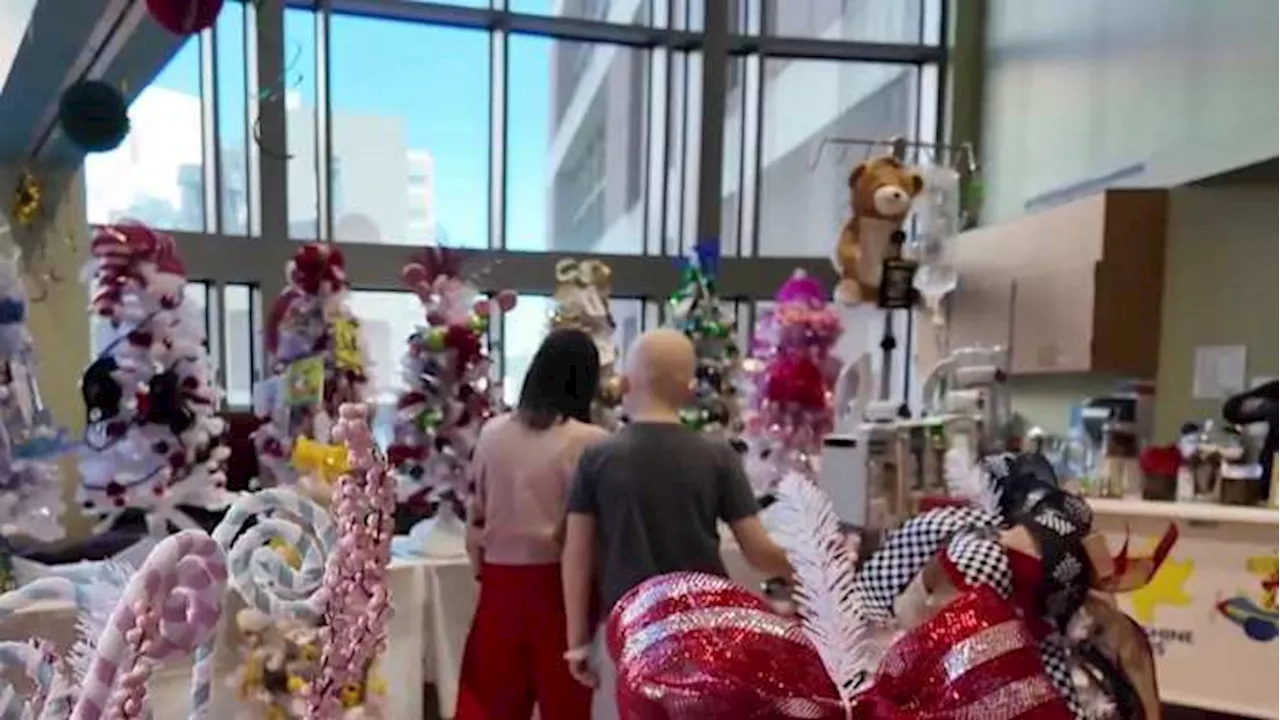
(1255, 612)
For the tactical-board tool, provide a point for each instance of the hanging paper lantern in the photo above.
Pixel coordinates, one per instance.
(184, 17)
(94, 116)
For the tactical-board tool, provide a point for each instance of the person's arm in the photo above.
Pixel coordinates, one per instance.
(739, 508)
(575, 573)
(577, 562)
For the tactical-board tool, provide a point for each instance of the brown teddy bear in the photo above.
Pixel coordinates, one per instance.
(880, 191)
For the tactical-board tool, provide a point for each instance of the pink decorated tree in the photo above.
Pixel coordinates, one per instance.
(450, 391)
(791, 373)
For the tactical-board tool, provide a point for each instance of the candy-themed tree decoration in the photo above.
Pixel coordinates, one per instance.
(30, 442)
(696, 312)
(152, 441)
(582, 295)
(130, 623)
(357, 597)
(792, 373)
(449, 389)
(316, 359)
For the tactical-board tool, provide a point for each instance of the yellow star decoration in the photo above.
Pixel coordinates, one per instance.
(1167, 587)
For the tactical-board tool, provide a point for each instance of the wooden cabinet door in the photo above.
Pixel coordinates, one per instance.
(1053, 321)
(981, 311)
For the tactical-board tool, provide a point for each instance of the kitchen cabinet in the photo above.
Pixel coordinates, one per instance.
(1076, 288)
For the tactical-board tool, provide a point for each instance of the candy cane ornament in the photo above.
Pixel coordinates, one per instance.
(357, 600)
(170, 607)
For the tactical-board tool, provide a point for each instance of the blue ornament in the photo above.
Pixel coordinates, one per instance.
(12, 311)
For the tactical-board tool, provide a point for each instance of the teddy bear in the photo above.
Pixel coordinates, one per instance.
(881, 191)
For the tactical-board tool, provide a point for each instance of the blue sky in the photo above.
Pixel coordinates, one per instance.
(437, 80)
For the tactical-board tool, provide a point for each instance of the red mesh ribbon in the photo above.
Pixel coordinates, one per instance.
(120, 251)
(695, 646)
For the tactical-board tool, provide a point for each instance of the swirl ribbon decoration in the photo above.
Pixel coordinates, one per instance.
(169, 607)
(357, 599)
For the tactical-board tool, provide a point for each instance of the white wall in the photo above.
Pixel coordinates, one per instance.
(1081, 89)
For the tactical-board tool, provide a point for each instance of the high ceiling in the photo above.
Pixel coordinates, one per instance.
(46, 45)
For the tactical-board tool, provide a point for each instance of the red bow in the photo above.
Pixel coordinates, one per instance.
(318, 266)
(121, 250)
(696, 646)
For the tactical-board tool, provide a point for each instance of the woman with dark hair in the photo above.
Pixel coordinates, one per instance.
(522, 467)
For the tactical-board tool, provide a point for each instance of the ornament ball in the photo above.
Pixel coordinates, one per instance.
(435, 339)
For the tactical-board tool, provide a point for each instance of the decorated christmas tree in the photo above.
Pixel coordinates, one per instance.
(153, 440)
(791, 373)
(30, 443)
(316, 362)
(450, 391)
(696, 312)
(582, 302)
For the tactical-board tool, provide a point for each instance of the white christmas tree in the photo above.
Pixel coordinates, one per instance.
(30, 443)
(449, 387)
(152, 437)
(317, 363)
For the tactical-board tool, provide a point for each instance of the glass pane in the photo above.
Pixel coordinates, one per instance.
(238, 341)
(575, 146)
(156, 176)
(410, 104)
(387, 319)
(522, 331)
(891, 21)
(300, 123)
(233, 119)
(804, 181)
(625, 12)
(628, 318)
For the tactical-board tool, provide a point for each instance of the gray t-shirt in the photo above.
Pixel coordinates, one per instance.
(656, 491)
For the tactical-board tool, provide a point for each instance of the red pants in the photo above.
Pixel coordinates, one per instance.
(515, 651)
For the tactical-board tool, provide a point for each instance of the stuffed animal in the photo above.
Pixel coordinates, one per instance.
(880, 192)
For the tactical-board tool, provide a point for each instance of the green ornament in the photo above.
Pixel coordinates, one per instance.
(435, 339)
(479, 324)
(430, 419)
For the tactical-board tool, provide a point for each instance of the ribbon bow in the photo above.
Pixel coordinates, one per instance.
(317, 267)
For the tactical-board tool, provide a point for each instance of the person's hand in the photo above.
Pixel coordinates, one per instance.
(579, 662)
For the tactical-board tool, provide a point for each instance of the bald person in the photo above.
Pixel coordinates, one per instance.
(645, 502)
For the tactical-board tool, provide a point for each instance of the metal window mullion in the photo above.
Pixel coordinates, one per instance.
(498, 117)
(815, 49)
(210, 143)
(272, 169)
(712, 90)
(323, 139)
(565, 28)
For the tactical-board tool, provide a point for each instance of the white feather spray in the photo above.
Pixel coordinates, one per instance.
(808, 530)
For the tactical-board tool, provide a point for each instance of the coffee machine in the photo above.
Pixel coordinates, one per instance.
(1116, 427)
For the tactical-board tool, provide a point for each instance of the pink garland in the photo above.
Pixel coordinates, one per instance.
(356, 595)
